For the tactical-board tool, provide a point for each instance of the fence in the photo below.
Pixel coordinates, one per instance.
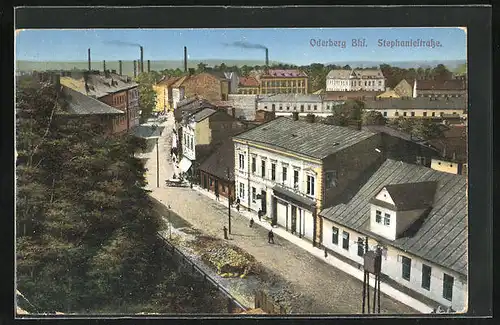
(263, 302)
(234, 306)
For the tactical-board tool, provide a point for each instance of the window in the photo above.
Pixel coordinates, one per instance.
(421, 160)
(263, 168)
(315, 107)
(433, 114)
(274, 107)
(361, 246)
(281, 108)
(284, 174)
(406, 267)
(426, 277)
(273, 171)
(448, 287)
(302, 107)
(345, 240)
(396, 114)
(385, 113)
(310, 185)
(412, 113)
(331, 179)
(404, 114)
(380, 83)
(296, 179)
(288, 108)
(254, 194)
(335, 235)
(242, 161)
(308, 107)
(254, 165)
(191, 141)
(387, 219)
(378, 216)
(242, 190)
(424, 113)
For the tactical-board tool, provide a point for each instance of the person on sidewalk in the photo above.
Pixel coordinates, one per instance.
(270, 237)
(251, 223)
(259, 214)
(225, 232)
(217, 195)
(238, 204)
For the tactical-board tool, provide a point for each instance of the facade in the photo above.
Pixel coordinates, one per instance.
(248, 86)
(418, 216)
(446, 166)
(286, 104)
(164, 94)
(404, 89)
(114, 90)
(233, 82)
(178, 91)
(433, 108)
(353, 95)
(210, 86)
(355, 80)
(440, 88)
(291, 169)
(284, 81)
(216, 172)
(389, 93)
(244, 105)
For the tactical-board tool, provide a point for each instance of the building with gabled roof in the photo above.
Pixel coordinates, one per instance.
(355, 80)
(275, 81)
(418, 216)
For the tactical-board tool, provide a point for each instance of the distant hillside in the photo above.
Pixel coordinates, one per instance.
(461, 69)
(128, 66)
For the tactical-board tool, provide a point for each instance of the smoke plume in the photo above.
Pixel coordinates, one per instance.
(246, 45)
(122, 43)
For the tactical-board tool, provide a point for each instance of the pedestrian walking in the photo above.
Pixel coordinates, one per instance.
(238, 204)
(251, 223)
(270, 237)
(225, 232)
(259, 214)
(217, 195)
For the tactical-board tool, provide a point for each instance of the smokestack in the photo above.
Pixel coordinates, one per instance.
(104, 65)
(135, 68)
(90, 65)
(120, 67)
(185, 59)
(267, 57)
(149, 66)
(142, 59)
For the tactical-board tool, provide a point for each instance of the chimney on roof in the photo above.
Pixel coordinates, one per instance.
(185, 59)
(149, 66)
(135, 68)
(120, 67)
(142, 60)
(90, 65)
(104, 65)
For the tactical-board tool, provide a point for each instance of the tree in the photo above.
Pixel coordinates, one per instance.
(427, 130)
(337, 119)
(147, 95)
(310, 118)
(201, 67)
(373, 118)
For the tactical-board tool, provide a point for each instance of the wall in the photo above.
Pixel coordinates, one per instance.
(208, 182)
(445, 166)
(245, 105)
(188, 135)
(206, 86)
(392, 267)
(178, 94)
(356, 84)
(203, 134)
(427, 113)
(434, 92)
(289, 107)
(389, 231)
(161, 98)
(272, 85)
(407, 151)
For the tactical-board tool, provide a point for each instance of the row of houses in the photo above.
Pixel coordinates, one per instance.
(339, 187)
(324, 105)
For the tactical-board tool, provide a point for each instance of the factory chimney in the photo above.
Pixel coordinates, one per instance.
(135, 68)
(149, 66)
(185, 59)
(104, 65)
(142, 59)
(120, 67)
(267, 57)
(90, 65)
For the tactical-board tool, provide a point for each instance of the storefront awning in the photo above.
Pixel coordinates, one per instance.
(185, 164)
(293, 197)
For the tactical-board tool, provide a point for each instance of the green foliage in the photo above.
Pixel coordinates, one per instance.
(310, 118)
(422, 128)
(373, 118)
(147, 95)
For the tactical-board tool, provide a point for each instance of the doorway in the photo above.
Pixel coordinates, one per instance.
(293, 227)
(263, 202)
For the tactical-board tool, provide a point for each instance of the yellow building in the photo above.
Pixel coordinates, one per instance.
(284, 81)
(163, 90)
(389, 93)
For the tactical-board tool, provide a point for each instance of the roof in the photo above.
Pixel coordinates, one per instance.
(248, 82)
(100, 84)
(203, 114)
(339, 74)
(193, 103)
(286, 73)
(452, 84)
(455, 142)
(179, 82)
(441, 237)
(389, 93)
(453, 103)
(314, 140)
(80, 104)
(290, 98)
(392, 132)
(368, 73)
(411, 196)
(333, 95)
(167, 81)
(218, 162)
(254, 311)
(218, 74)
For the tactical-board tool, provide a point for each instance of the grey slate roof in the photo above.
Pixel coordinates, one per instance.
(417, 103)
(369, 73)
(441, 238)
(203, 114)
(222, 159)
(100, 84)
(412, 196)
(291, 98)
(309, 139)
(80, 104)
(339, 74)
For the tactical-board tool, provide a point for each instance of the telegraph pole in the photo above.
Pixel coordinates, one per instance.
(157, 165)
(229, 200)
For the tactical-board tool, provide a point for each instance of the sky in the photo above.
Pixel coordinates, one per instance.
(299, 46)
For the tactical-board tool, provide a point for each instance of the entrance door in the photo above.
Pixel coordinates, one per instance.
(294, 219)
(274, 217)
(216, 186)
(263, 201)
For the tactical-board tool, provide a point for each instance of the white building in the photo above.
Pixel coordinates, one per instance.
(289, 169)
(355, 80)
(286, 104)
(419, 217)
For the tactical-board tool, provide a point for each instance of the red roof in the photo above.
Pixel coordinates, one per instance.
(290, 73)
(454, 84)
(249, 82)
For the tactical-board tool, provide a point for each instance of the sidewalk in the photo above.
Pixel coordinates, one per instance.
(332, 260)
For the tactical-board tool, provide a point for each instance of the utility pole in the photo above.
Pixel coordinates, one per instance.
(157, 165)
(229, 200)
